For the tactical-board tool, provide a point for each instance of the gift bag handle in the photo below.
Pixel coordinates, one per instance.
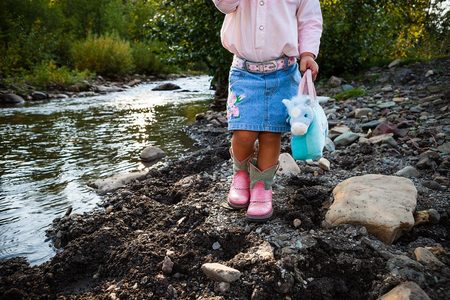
(307, 83)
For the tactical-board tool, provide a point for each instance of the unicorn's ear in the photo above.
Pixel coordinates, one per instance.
(287, 103)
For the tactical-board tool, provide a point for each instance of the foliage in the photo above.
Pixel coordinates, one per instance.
(35, 32)
(85, 17)
(47, 74)
(363, 33)
(357, 92)
(28, 34)
(145, 58)
(106, 55)
(191, 29)
(186, 34)
(139, 14)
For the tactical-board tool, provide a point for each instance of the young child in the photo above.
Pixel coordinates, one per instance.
(266, 37)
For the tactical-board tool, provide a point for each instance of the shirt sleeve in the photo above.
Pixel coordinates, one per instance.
(309, 20)
(226, 6)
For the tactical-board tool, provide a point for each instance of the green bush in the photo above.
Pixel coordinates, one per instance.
(48, 75)
(145, 60)
(359, 34)
(30, 32)
(28, 49)
(106, 55)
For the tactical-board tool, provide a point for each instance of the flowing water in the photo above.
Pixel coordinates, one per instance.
(50, 150)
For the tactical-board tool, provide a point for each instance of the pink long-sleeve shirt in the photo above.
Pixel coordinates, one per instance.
(261, 30)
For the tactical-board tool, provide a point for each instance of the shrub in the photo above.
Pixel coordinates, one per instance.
(145, 59)
(47, 74)
(106, 55)
(358, 34)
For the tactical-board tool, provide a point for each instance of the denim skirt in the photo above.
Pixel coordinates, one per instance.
(254, 99)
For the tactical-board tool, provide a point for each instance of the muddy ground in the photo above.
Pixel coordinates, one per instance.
(117, 251)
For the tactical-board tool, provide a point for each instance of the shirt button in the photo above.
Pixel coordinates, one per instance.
(261, 3)
(261, 27)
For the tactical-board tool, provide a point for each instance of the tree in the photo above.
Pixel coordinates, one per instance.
(191, 29)
(361, 33)
(29, 32)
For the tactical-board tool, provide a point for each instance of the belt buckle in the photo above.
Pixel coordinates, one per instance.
(261, 67)
(271, 66)
(247, 66)
(275, 66)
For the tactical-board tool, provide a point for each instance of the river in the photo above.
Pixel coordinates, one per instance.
(50, 150)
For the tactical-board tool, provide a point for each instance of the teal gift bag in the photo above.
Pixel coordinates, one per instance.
(309, 125)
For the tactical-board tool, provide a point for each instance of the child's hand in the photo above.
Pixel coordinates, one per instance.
(307, 62)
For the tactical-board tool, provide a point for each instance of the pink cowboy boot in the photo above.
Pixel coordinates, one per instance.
(260, 208)
(239, 194)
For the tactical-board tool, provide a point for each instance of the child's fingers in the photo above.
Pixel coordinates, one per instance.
(314, 70)
(312, 65)
(303, 65)
(309, 63)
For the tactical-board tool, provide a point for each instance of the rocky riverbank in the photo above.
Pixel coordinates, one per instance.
(152, 238)
(14, 95)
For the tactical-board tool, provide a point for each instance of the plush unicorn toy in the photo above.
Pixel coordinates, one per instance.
(309, 125)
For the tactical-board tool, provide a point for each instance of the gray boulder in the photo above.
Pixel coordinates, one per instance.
(346, 139)
(151, 154)
(103, 89)
(406, 291)
(335, 81)
(11, 99)
(383, 204)
(394, 63)
(115, 182)
(39, 95)
(408, 172)
(166, 87)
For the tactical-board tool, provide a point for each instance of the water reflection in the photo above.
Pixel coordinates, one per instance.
(50, 150)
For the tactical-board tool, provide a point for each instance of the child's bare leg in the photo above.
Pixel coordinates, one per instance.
(269, 149)
(243, 143)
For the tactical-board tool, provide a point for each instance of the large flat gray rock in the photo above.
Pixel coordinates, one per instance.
(115, 182)
(406, 291)
(383, 204)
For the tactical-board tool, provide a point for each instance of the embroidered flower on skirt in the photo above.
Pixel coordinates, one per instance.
(233, 101)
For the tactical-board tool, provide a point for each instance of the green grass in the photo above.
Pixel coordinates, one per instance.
(357, 92)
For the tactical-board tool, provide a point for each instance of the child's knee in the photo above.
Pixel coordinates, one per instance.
(245, 137)
(269, 137)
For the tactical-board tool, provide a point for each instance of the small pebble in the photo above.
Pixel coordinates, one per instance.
(109, 209)
(222, 287)
(216, 246)
(297, 223)
(324, 164)
(167, 266)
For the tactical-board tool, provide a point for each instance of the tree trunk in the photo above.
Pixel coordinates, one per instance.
(220, 83)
